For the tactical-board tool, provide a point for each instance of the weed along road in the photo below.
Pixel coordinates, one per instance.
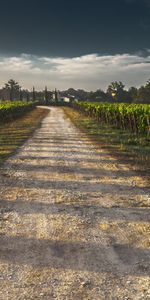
(74, 220)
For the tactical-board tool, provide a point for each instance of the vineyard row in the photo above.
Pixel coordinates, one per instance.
(11, 110)
(132, 117)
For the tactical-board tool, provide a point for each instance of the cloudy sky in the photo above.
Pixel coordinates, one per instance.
(80, 44)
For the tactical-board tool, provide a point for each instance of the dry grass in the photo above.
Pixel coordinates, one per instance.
(14, 134)
(133, 233)
(123, 145)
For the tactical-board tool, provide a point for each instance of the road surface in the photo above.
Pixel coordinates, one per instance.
(74, 220)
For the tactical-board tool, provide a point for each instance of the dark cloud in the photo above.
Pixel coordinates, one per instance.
(142, 2)
(73, 28)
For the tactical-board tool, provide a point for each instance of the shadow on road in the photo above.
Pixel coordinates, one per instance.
(74, 255)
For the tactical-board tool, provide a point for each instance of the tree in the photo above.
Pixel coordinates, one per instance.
(148, 84)
(147, 87)
(99, 95)
(56, 96)
(20, 94)
(33, 94)
(27, 95)
(46, 95)
(133, 93)
(13, 87)
(144, 93)
(116, 90)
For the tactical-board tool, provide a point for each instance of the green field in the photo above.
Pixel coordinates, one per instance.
(131, 146)
(132, 117)
(10, 110)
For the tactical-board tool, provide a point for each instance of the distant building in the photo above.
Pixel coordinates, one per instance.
(57, 97)
(65, 99)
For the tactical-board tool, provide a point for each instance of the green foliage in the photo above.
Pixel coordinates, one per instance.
(33, 94)
(10, 110)
(13, 87)
(132, 117)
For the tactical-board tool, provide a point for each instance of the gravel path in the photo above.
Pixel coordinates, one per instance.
(74, 220)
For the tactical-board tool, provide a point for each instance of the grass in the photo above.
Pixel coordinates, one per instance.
(14, 134)
(134, 149)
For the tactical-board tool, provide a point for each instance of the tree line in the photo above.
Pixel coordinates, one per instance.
(116, 92)
(13, 91)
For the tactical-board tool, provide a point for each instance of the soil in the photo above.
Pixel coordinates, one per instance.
(74, 220)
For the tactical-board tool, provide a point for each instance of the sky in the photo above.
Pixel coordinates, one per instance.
(80, 44)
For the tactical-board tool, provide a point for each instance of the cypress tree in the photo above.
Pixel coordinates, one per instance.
(33, 94)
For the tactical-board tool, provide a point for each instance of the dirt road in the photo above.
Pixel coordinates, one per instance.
(74, 220)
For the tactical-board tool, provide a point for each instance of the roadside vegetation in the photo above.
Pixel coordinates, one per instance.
(14, 133)
(132, 117)
(122, 127)
(11, 110)
(132, 147)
